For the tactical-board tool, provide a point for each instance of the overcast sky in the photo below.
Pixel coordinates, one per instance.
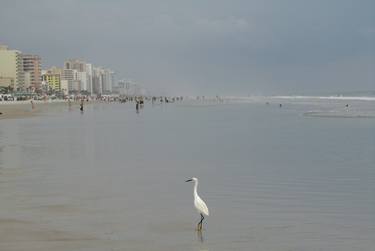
(207, 46)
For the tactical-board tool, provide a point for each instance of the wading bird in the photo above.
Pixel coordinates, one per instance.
(199, 204)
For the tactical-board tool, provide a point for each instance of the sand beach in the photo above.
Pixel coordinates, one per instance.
(24, 109)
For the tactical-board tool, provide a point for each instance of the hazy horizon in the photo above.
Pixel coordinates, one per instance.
(205, 47)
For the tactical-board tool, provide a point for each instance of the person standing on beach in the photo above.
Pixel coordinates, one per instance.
(81, 108)
(137, 106)
(32, 105)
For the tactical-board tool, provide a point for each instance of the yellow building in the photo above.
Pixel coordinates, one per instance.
(53, 77)
(53, 80)
(11, 66)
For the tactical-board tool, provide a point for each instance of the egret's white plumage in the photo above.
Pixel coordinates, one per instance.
(199, 204)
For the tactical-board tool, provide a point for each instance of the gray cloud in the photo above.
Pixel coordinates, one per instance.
(209, 46)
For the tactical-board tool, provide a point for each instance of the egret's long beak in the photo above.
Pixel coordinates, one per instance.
(189, 180)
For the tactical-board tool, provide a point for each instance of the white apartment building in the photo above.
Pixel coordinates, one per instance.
(11, 67)
(89, 71)
(82, 76)
(108, 80)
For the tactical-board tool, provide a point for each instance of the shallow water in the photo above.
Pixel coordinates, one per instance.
(112, 179)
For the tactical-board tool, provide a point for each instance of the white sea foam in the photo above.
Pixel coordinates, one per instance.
(327, 97)
(254, 98)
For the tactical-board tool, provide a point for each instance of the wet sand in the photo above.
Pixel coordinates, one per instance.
(16, 110)
(112, 179)
(24, 109)
(26, 235)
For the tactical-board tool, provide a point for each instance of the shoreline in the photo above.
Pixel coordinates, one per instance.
(23, 109)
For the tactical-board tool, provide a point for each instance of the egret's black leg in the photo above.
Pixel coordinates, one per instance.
(200, 223)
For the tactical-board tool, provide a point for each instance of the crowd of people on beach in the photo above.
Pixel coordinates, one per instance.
(139, 101)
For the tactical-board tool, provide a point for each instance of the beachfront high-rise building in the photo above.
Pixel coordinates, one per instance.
(85, 77)
(82, 76)
(27, 80)
(78, 75)
(75, 85)
(122, 87)
(53, 77)
(68, 76)
(53, 80)
(75, 64)
(108, 81)
(65, 86)
(71, 76)
(89, 71)
(97, 80)
(102, 81)
(32, 65)
(6, 82)
(11, 67)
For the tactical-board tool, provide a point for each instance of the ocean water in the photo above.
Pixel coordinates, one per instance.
(113, 179)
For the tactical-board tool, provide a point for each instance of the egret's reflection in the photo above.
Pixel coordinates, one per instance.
(200, 236)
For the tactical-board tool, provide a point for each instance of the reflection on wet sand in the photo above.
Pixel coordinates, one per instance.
(13, 231)
(108, 181)
(200, 236)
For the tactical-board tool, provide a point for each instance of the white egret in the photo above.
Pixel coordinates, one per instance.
(199, 204)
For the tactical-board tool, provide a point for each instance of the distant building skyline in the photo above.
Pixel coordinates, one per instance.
(88, 78)
(23, 72)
